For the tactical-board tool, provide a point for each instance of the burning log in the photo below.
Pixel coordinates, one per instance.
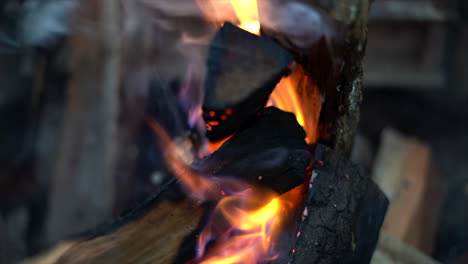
(255, 200)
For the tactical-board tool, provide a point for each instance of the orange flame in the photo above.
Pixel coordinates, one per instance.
(298, 94)
(251, 233)
(256, 229)
(285, 98)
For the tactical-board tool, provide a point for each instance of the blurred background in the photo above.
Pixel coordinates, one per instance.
(74, 157)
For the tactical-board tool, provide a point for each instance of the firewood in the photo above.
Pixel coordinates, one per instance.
(392, 250)
(404, 171)
(151, 233)
(243, 70)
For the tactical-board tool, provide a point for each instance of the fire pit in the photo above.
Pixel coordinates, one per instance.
(277, 188)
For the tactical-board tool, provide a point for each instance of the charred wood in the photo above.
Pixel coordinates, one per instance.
(343, 214)
(243, 70)
(272, 146)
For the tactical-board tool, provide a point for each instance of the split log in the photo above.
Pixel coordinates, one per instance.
(392, 250)
(404, 170)
(344, 214)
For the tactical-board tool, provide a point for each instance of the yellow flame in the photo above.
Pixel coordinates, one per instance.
(257, 229)
(247, 14)
(261, 216)
(252, 233)
(285, 98)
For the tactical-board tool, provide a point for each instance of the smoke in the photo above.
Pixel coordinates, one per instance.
(42, 21)
(303, 24)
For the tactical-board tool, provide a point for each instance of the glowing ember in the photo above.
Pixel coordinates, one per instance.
(214, 145)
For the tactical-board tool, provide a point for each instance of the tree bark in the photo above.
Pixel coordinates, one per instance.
(335, 64)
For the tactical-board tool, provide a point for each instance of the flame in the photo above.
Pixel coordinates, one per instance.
(243, 13)
(255, 230)
(285, 98)
(297, 93)
(250, 235)
(247, 14)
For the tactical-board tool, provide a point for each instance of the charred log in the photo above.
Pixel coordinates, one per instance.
(343, 214)
(243, 70)
(270, 150)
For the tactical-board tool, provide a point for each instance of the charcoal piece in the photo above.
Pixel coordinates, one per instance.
(270, 151)
(344, 214)
(243, 70)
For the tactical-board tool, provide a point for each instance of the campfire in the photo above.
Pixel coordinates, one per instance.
(248, 218)
(268, 190)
